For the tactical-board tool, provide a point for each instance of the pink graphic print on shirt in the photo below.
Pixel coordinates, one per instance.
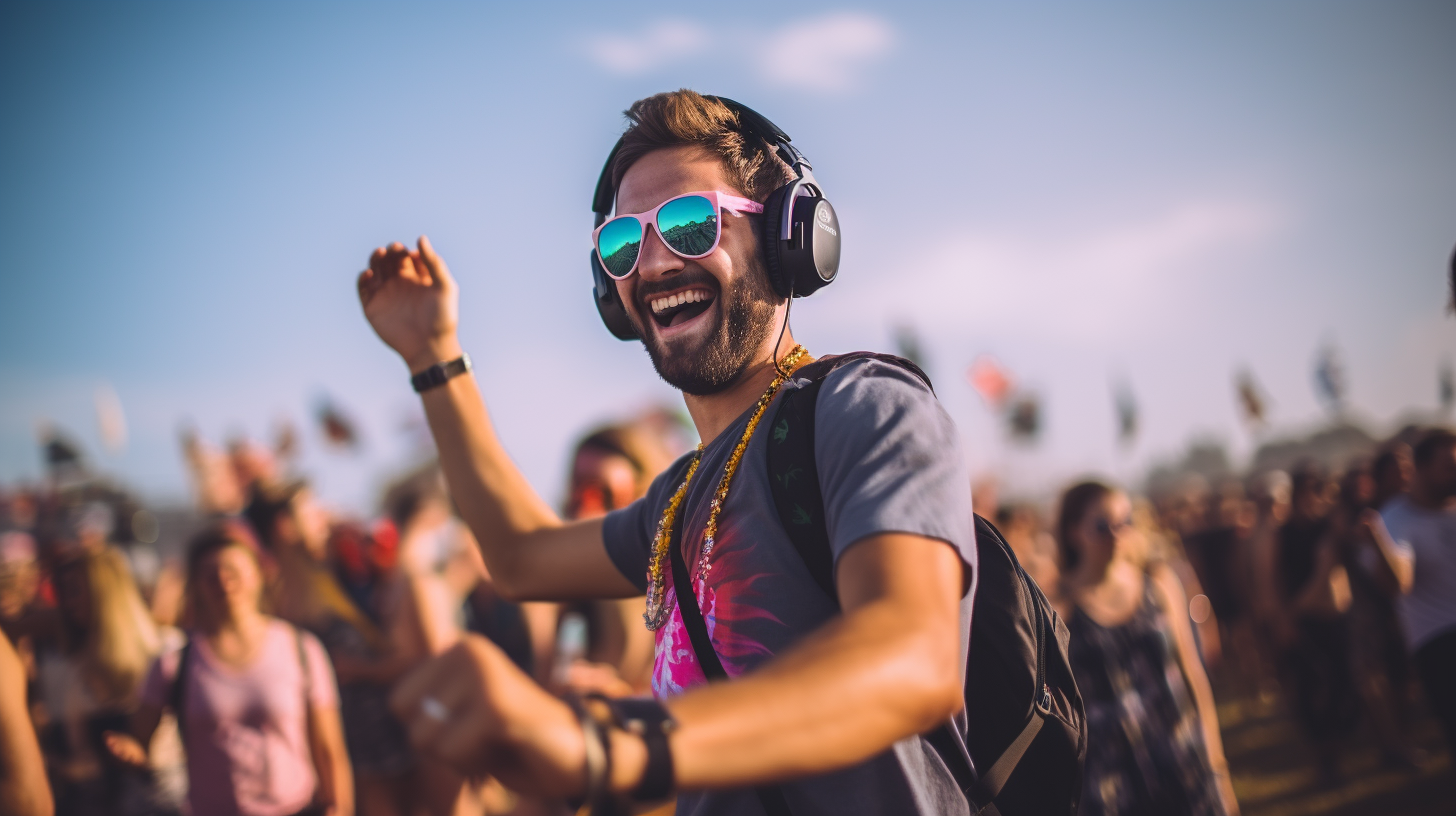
(726, 602)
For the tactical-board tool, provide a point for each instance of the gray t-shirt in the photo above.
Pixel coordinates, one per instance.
(1429, 538)
(889, 460)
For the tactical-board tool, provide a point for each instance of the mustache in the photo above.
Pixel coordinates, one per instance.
(688, 277)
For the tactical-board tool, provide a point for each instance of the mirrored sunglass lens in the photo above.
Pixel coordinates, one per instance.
(619, 242)
(689, 225)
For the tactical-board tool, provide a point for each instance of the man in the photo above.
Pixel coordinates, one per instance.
(829, 704)
(1423, 525)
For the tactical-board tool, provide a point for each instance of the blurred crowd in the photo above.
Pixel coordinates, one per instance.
(249, 670)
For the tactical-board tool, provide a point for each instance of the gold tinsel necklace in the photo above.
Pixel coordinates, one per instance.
(656, 614)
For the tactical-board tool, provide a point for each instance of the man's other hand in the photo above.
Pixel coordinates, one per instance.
(412, 302)
(475, 711)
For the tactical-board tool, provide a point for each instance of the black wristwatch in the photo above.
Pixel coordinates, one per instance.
(440, 373)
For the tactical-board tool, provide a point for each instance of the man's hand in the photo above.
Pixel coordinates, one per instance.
(496, 721)
(412, 303)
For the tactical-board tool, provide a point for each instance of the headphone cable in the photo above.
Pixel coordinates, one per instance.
(774, 354)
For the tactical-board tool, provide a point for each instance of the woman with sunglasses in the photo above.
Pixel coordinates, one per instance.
(1153, 743)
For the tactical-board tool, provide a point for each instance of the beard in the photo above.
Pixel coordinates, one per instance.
(713, 363)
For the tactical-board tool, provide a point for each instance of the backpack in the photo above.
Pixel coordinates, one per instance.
(1022, 703)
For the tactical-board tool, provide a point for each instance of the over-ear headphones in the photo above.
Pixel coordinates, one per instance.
(799, 233)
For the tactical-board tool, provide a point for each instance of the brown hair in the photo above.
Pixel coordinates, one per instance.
(686, 118)
(1075, 503)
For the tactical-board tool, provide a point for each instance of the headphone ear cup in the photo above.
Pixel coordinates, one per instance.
(768, 239)
(609, 303)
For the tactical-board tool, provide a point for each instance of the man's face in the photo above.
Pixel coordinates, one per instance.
(728, 308)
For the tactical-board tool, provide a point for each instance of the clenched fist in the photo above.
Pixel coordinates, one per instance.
(412, 303)
(474, 710)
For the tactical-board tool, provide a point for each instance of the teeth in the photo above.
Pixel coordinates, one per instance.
(691, 296)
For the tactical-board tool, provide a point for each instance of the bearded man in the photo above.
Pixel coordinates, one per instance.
(821, 704)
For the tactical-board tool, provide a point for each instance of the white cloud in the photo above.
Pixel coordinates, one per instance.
(1104, 281)
(825, 53)
(663, 42)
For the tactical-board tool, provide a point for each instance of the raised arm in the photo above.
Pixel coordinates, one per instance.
(412, 303)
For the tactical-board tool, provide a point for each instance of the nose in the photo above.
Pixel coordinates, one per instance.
(656, 260)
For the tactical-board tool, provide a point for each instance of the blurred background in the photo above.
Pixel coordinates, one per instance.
(1127, 209)
(1124, 239)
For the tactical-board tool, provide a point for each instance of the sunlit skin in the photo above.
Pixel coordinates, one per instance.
(888, 668)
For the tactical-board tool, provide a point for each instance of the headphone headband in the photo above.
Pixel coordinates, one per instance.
(799, 232)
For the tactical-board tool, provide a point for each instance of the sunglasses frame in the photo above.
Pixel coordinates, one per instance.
(720, 201)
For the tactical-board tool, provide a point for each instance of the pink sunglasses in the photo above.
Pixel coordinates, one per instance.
(687, 224)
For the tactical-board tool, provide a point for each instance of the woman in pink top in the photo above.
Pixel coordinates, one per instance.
(256, 700)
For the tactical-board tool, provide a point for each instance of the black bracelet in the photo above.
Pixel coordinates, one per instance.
(440, 373)
(649, 720)
(598, 758)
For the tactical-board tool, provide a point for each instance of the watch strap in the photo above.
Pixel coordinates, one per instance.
(650, 721)
(440, 373)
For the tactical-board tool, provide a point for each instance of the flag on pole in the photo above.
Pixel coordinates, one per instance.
(991, 381)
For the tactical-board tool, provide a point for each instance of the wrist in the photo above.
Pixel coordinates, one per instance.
(629, 761)
(441, 350)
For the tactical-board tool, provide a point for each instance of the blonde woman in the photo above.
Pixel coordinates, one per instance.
(107, 640)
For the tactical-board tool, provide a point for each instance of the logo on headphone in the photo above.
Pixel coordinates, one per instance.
(823, 222)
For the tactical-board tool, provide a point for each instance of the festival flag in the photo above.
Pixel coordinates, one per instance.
(1446, 387)
(338, 429)
(1251, 398)
(1329, 378)
(1025, 418)
(110, 419)
(990, 380)
(907, 345)
(1127, 413)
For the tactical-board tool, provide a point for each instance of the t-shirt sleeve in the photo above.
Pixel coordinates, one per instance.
(890, 460)
(323, 688)
(627, 532)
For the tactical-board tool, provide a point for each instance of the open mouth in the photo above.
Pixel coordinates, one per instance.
(680, 307)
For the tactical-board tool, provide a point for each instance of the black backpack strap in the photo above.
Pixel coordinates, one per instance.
(770, 796)
(177, 694)
(792, 470)
(304, 666)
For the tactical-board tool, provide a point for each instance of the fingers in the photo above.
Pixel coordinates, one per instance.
(435, 264)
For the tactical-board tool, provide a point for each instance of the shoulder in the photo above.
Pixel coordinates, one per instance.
(1166, 585)
(874, 375)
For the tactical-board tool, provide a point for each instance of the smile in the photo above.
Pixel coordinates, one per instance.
(679, 307)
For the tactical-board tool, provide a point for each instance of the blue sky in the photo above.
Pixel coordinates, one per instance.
(1141, 193)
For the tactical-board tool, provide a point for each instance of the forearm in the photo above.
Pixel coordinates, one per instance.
(864, 681)
(494, 497)
(331, 762)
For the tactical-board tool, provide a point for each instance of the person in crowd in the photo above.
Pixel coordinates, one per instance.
(1393, 471)
(416, 609)
(1153, 744)
(1269, 493)
(611, 468)
(91, 681)
(828, 700)
(1423, 525)
(24, 790)
(295, 531)
(1378, 662)
(1312, 622)
(1035, 548)
(254, 696)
